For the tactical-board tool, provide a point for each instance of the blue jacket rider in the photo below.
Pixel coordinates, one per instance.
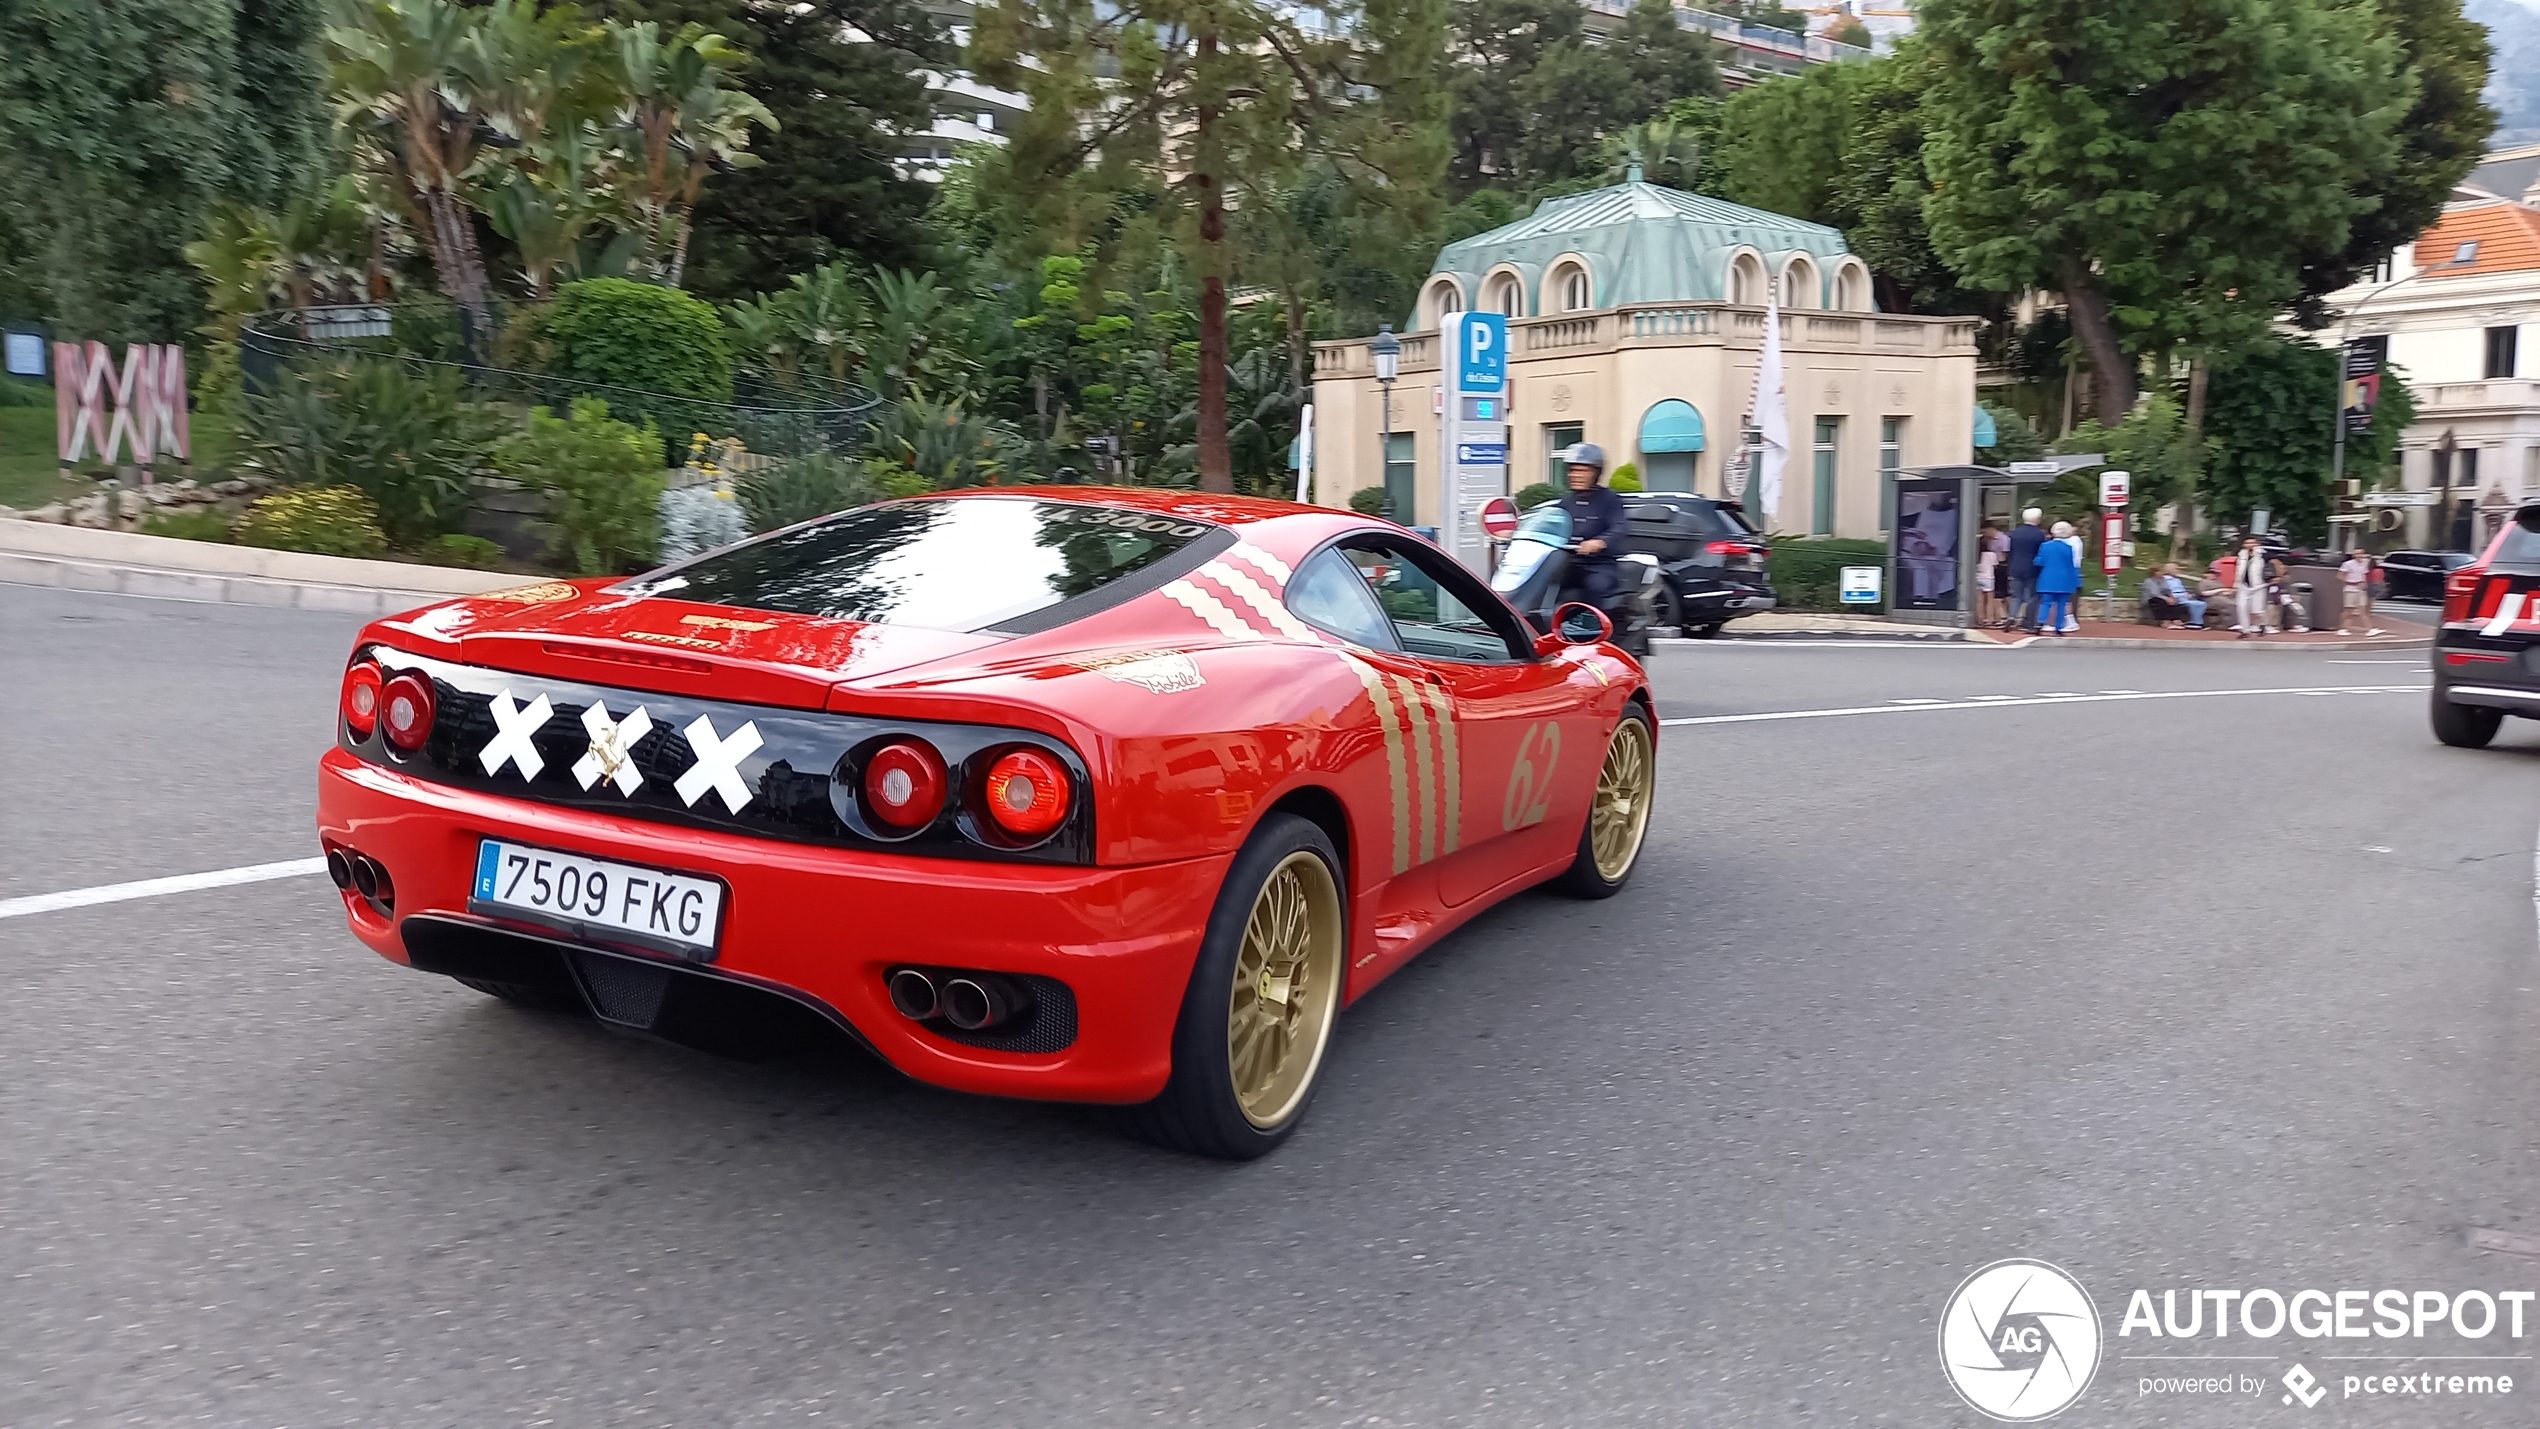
(1597, 521)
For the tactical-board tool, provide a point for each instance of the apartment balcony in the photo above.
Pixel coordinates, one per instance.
(2496, 395)
(1688, 324)
(1750, 41)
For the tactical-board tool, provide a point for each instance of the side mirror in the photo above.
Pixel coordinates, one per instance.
(1579, 623)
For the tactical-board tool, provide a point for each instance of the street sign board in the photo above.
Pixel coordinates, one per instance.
(1859, 585)
(2034, 468)
(1499, 518)
(2112, 487)
(2112, 542)
(1481, 351)
(1481, 453)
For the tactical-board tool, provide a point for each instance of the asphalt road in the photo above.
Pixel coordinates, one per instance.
(2223, 991)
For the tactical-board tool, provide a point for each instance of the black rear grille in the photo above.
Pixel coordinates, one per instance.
(622, 990)
(800, 780)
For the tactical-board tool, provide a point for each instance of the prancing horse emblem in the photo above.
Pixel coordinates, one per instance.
(612, 748)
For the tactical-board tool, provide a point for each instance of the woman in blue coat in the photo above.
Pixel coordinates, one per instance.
(2058, 576)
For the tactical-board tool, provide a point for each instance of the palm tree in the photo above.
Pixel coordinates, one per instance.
(687, 119)
(251, 257)
(400, 74)
(826, 310)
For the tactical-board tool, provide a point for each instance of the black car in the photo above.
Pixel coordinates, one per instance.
(2419, 575)
(2487, 651)
(1710, 561)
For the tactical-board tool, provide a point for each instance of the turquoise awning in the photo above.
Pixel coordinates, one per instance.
(1984, 428)
(1671, 426)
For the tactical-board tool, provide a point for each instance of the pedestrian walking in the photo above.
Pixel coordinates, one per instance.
(2025, 539)
(2253, 578)
(2058, 576)
(2081, 562)
(1989, 574)
(2356, 612)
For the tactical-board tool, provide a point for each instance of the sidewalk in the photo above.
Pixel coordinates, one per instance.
(2127, 635)
(76, 558)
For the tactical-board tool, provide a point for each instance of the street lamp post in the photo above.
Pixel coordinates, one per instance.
(2337, 402)
(1387, 349)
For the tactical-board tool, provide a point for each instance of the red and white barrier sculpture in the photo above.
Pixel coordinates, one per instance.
(148, 404)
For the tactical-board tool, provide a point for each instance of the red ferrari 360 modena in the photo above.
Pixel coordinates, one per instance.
(1083, 794)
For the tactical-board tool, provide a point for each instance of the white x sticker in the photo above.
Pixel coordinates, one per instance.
(718, 765)
(513, 725)
(612, 752)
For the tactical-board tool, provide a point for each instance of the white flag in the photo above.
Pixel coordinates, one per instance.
(1772, 415)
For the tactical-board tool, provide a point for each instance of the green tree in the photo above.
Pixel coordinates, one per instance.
(123, 126)
(2163, 164)
(2439, 142)
(1536, 94)
(1195, 108)
(2268, 422)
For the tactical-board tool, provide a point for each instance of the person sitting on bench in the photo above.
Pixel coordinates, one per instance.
(2167, 601)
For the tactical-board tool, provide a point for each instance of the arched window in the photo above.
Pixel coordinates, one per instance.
(1746, 281)
(1574, 291)
(1800, 288)
(1507, 295)
(1852, 288)
(1444, 301)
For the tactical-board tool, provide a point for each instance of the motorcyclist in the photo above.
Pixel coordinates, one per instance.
(1596, 524)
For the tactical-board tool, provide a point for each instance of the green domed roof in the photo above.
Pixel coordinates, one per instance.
(1643, 243)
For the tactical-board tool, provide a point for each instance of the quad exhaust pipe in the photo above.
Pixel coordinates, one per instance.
(966, 1001)
(360, 873)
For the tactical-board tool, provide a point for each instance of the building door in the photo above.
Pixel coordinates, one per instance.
(1821, 514)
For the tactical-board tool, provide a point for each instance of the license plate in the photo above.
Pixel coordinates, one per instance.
(598, 898)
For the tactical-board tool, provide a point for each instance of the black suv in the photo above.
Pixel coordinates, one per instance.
(1710, 562)
(2487, 651)
(2419, 575)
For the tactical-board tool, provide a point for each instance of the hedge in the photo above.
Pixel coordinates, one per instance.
(1807, 574)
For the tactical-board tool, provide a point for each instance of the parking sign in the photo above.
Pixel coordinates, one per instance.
(1481, 351)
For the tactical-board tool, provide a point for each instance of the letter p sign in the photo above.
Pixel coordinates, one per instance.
(1481, 352)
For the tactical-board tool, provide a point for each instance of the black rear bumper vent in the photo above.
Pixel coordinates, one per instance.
(623, 992)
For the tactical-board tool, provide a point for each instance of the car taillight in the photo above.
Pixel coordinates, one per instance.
(2473, 657)
(904, 784)
(361, 699)
(405, 708)
(2457, 591)
(1026, 793)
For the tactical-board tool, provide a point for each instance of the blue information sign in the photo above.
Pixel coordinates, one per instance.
(1481, 351)
(1481, 453)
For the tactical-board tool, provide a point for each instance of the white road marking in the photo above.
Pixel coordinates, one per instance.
(2375, 662)
(1994, 702)
(1916, 700)
(159, 887)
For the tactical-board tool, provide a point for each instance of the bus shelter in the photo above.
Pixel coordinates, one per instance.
(1932, 514)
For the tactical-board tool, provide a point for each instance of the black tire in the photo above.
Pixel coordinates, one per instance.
(528, 995)
(1199, 1110)
(1669, 613)
(1705, 631)
(1585, 878)
(2464, 726)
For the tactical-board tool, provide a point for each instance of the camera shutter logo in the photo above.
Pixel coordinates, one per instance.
(2019, 1340)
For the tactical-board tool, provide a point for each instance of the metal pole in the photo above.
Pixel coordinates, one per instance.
(2337, 396)
(1384, 454)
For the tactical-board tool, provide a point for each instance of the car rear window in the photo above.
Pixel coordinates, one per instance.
(969, 563)
(2521, 547)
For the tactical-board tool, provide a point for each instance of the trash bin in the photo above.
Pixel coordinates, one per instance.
(2302, 601)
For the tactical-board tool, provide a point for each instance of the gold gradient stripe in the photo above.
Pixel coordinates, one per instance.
(1449, 738)
(1389, 722)
(1269, 565)
(1424, 793)
(1263, 603)
(1209, 608)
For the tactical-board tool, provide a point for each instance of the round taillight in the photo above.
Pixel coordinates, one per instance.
(405, 709)
(361, 699)
(904, 784)
(1026, 793)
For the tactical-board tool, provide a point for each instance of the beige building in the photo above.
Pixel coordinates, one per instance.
(1636, 321)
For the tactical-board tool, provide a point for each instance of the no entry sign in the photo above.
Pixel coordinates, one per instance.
(1499, 518)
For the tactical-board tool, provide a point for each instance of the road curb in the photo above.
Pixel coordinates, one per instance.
(2243, 646)
(17, 568)
(44, 540)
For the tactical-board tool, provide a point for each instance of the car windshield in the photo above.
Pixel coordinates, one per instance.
(963, 564)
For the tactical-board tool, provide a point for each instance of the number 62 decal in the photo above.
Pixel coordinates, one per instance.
(1530, 788)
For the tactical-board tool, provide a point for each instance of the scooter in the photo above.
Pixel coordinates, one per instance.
(1536, 573)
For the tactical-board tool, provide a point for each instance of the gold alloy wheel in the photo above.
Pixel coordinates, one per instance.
(1287, 988)
(1621, 814)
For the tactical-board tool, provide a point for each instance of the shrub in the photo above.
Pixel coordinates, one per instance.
(14, 393)
(406, 441)
(1625, 477)
(1368, 501)
(1807, 574)
(195, 525)
(942, 442)
(322, 520)
(803, 488)
(603, 479)
(473, 553)
(1528, 498)
(621, 333)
